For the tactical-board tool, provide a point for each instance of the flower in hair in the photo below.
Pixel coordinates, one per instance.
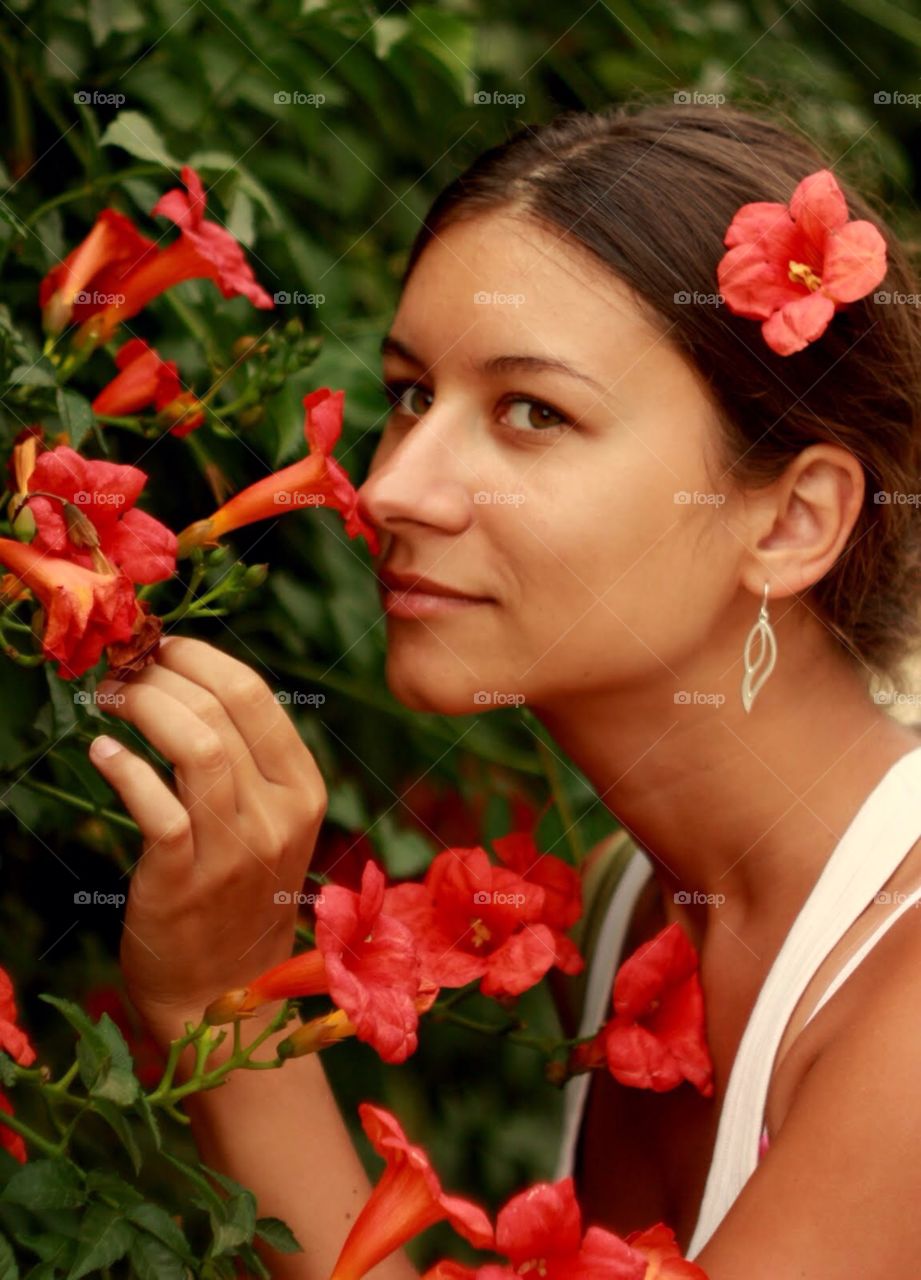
(793, 266)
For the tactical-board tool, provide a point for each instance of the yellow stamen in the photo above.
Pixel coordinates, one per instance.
(801, 274)
(481, 933)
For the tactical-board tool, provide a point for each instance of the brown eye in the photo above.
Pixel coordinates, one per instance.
(538, 415)
(402, 397)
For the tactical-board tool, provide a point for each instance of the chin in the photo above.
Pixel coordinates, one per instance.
(434, 688)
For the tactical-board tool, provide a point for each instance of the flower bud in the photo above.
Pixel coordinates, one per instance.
(316, 1034)
(80, 529)
(228, 1007)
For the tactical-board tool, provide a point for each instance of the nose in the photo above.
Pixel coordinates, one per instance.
(419, 476)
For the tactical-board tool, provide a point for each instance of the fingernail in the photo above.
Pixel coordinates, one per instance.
(103, 747)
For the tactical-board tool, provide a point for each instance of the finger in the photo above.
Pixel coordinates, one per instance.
(276, 746)
(211, 711)
(203, 776)
(164, 822)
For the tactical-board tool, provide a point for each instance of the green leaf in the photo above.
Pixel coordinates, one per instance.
(104, 1238)
(116, 1119)
(148, 1115)
(119, 1083)
(254, 1263)
(112, 1187)
(279, 1235)
(154, 1261)
(8, 1268)
(7, 1069)
(76, 415)
(46, 1184)
(137, 135)
(158, 1223)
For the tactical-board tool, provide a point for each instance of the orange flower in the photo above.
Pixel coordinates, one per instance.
(146, 378)
(316, 480)
(204, 250)
(15, 1042)
(112, 249)
(407, 1199)
(664, 1260)
(793, 267)
(83, 611)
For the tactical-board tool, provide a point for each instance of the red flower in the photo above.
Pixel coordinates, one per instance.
(365, 959)
(149, 1059)
(15, 1042)
(86, 280)
(793, 267)
(657, 1036)
(204, 250)
(663, 1256)
(407, 1199)
(104, 493)
(472, 920)
(317, 479)
(540, 1233)
(145, 378)
(84, 611)
(562, 891)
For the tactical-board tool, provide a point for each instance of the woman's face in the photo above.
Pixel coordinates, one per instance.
(575, 502)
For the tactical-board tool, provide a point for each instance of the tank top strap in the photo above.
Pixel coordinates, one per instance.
(876, 841)
(912, 899)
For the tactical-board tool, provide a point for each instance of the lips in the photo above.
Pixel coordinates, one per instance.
(416, 583)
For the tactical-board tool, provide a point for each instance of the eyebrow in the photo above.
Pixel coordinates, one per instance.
(498, 364)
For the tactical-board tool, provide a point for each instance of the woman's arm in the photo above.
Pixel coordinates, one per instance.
(212, 904)
(280, 1133)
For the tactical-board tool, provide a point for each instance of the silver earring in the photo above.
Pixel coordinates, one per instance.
(756, 673)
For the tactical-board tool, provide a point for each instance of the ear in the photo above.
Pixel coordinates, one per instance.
(801, 523)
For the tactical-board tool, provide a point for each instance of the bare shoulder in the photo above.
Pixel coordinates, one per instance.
(842, 1173)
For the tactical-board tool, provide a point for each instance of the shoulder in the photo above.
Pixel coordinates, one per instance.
(843, 1170)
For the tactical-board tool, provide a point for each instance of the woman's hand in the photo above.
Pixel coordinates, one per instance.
(213, 896)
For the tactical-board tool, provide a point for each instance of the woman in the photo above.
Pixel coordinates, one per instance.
(596, 477)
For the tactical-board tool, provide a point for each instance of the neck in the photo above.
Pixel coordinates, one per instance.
(743, 807)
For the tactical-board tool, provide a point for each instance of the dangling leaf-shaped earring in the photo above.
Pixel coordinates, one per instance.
(756, 673)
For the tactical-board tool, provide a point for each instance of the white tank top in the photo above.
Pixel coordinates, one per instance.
(879, 837)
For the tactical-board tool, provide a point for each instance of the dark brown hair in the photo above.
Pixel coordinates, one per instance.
(649, 188)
